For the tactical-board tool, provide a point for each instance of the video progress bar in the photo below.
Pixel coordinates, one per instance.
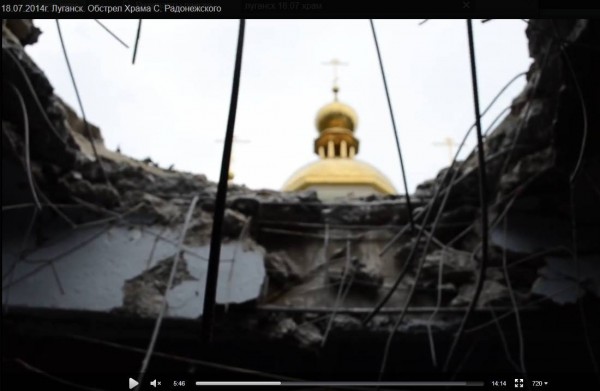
(345, 384)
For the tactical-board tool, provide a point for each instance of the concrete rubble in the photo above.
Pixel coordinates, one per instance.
(290, 252)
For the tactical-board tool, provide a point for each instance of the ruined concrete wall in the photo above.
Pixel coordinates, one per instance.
(96, 258)
(531, 156)
(547, 145)
(76, 239)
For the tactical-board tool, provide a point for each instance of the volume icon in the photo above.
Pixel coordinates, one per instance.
(153, 383)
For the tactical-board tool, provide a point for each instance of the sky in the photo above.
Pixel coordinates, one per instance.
(172, 104)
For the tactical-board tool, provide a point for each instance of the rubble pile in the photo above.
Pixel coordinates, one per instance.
(314, 251)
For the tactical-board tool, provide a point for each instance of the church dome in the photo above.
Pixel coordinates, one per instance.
(336, 115)
(339, 171)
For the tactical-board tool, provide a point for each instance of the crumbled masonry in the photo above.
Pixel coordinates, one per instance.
(291, 262)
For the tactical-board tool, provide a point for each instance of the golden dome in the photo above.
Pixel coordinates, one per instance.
(336, 115)
(339, 171)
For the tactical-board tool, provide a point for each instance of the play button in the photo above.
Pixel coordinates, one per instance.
(132, 383)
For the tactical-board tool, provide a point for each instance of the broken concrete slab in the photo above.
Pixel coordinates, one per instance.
(493, 293)
(305, 334)
(308, 335)
(458, 266)
(233, 223)
(563, 279)
(112, 267)
(380, 212)
(144, 295)
(23, 29)
(281, 269)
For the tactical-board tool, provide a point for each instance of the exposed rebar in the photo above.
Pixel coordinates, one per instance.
(219, 212)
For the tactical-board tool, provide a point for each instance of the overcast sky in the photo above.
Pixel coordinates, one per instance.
(172, 104)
